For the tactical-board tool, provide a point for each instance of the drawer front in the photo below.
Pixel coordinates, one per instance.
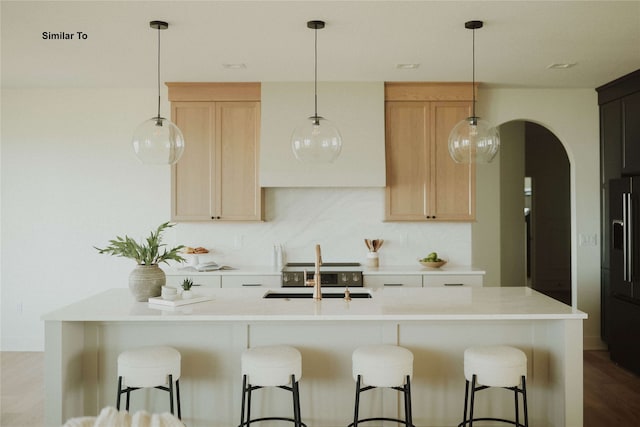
(452, 280)
(406, 280)
(251, 281)
(208, 281)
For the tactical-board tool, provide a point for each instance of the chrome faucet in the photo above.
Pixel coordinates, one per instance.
(316, 282)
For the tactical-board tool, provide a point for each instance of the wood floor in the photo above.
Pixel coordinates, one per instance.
(611, 394)
(21, 389)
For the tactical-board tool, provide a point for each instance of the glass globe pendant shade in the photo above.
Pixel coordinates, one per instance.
(474, 140)
(316, 140)
(158, 141)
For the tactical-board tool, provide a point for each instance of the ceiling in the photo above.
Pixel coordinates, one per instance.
(362, 41)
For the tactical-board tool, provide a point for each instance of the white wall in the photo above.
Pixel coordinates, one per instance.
(70, 182)
(572, 115)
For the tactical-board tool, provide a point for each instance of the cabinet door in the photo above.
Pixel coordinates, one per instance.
(238, 195)
(407, 133)
(208, 281)
(433, 280)
(452, 190)
(610, 166)
(273, 281)
(191, 190)
(631, 134)
(390, 281)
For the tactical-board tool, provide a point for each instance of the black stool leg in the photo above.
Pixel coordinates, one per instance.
(357, 405)
(297, 420)
(178, 398)
(244, 393)
(407, 403)
(119, 392)
(524, 401)
(248, 403)
(516, 391)
(171, 394)
(473, 395)
(466, 402)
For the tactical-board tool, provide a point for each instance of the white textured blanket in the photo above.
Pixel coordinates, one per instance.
(111, 417)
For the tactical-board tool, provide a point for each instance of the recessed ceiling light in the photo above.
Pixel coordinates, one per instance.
(407, 66)
(234, 66)
(560, 65)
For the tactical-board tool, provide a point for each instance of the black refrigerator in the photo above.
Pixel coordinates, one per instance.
(624, 265)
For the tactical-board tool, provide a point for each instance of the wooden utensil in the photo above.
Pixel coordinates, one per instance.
(368, 243)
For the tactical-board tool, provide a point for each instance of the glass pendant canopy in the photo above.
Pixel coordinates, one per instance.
(473, 139)
(316, 140)
(158, 141)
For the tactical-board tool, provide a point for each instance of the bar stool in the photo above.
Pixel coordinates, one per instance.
(495, 366)
(149, 367)
(271, 366)
(383, 366)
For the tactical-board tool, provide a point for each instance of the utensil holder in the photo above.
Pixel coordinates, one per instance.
(372, 259)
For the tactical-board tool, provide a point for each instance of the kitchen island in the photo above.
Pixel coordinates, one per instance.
(84, 339)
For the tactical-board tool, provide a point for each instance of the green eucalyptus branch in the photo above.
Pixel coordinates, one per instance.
(149, 253)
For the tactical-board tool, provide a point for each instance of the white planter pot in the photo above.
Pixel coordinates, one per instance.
(146, 281)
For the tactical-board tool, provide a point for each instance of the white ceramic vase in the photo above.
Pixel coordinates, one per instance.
(146, 281)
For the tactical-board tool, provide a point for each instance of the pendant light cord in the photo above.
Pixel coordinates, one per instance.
(315, 75)
(473, 72)
(158, 72)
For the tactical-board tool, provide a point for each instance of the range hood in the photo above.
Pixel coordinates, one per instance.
(356, 108)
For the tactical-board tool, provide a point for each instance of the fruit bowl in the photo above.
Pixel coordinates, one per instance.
(433, 264)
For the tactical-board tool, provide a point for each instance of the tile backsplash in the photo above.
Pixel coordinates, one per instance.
(339, 219)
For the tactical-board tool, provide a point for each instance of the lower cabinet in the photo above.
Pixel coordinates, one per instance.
(399, 280)
(198, 280)
(432, 280)
(251, 281)
(422, 280)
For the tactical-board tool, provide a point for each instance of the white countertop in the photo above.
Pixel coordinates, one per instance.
(467, 303)
(240, 270)
(418, 269)
(262, 270)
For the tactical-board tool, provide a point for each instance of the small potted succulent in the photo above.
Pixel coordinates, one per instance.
(147, 279)
(186, 288)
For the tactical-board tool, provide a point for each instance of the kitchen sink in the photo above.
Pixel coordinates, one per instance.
(309, 295)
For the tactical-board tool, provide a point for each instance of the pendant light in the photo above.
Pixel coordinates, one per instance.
(316, 140)
(158, 141)
(474, 139)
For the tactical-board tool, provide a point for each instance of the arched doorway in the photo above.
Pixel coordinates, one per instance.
(535, 206)
(522, 236)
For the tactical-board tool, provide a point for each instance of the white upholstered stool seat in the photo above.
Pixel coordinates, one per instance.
(383, 366)
(149, 367)
(271, 366)
(494, 366)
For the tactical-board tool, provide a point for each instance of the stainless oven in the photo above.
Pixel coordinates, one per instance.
(336, 274)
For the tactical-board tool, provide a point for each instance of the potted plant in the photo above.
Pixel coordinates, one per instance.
(186, 288)
(147, 279)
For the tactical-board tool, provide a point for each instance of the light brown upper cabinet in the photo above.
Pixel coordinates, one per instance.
(217, 176)
(423, 181)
